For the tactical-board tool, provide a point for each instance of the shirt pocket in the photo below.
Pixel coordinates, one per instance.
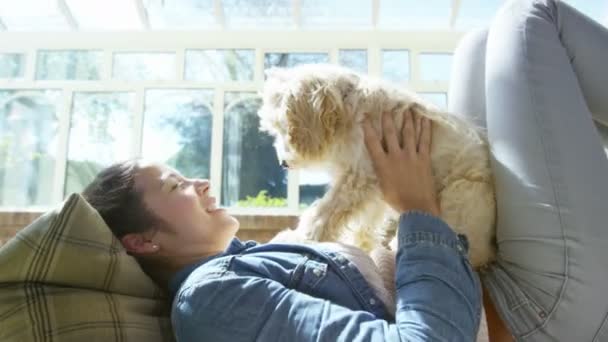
(308, 275)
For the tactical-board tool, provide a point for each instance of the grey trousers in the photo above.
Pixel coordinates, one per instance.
(537, 80)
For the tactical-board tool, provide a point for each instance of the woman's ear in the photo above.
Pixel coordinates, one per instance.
(136, 243)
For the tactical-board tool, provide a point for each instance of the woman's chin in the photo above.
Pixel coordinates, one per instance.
(227, 221)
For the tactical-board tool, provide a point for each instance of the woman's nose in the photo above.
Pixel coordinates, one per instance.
(201, 185)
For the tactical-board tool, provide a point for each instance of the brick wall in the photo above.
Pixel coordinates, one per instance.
(11, 222)
(252, 227)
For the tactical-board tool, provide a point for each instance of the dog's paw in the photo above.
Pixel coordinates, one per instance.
(312, 225)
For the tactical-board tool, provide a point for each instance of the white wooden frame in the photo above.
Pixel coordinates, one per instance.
(177, 42)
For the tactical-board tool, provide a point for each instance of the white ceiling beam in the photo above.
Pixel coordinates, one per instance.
(218, 12)
(375, 13)
(454, 13)
(64, 9)
(2, 26)
(142, 13)
(297, 13)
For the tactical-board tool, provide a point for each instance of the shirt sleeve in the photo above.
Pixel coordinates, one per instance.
(438, 300)
(437, 290)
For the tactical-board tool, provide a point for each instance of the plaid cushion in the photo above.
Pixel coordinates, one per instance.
(65, 277)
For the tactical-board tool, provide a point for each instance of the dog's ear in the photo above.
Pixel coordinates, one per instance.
(314, 114)
(327, 103)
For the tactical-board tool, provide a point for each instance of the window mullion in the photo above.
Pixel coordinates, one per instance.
(64, 115)
(217, 137)
(333, 56)
(180, 59)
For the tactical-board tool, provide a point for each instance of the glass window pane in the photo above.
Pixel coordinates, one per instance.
(287, 60)
(258, 14)
(154, 66)
(32, 15)
(439, 99)
(68, 65)
(105, 14)
(251, 174)
(313, 184)
(177, 129)
(12, 65)
(323, 14)
(414, 14)
(28, 144)
(219, 65)
(101, 133)
(435, 66)
(354, 59)
(396, 65)
(180, 14)
(476, 13)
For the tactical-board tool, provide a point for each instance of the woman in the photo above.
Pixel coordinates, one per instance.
(228, 290)
(542, 71)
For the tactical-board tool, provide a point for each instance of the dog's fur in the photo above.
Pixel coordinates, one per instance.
(315, 113)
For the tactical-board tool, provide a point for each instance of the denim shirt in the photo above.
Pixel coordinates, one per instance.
(290, 292)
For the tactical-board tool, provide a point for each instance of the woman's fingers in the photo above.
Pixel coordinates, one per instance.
(389, 132)
(372, 142)
(416, 133)
(426, 137)
(409, 135)
(418, 128)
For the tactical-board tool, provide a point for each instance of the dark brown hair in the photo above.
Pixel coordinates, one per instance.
(113, 194)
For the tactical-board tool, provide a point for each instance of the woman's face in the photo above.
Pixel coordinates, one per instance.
(196, 225)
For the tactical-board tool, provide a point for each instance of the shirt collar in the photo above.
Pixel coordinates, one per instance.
(236, 246)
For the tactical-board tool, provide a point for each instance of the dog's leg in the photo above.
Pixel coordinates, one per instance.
(326, 219)
(469, 207)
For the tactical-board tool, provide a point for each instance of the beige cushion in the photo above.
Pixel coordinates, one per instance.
(65, 277)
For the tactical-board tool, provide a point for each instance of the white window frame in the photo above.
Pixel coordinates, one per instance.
(261, 42)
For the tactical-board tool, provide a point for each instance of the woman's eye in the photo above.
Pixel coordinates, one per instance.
(177, 185)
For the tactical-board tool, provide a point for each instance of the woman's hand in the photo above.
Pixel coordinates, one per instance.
(404, 172)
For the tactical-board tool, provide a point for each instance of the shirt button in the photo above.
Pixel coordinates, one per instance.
(317, 272)
(372, 301)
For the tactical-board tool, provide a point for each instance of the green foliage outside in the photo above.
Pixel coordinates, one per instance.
(262, 200)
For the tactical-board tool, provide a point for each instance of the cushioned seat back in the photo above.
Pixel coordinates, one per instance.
(65, 277)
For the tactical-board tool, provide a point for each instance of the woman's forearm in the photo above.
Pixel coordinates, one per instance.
(438, 293)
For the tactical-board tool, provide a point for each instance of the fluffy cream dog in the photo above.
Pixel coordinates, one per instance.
(315, 113)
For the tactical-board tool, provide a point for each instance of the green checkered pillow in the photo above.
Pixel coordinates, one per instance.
(66, 277)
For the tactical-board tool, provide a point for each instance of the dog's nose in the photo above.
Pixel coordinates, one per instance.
(284, 164)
